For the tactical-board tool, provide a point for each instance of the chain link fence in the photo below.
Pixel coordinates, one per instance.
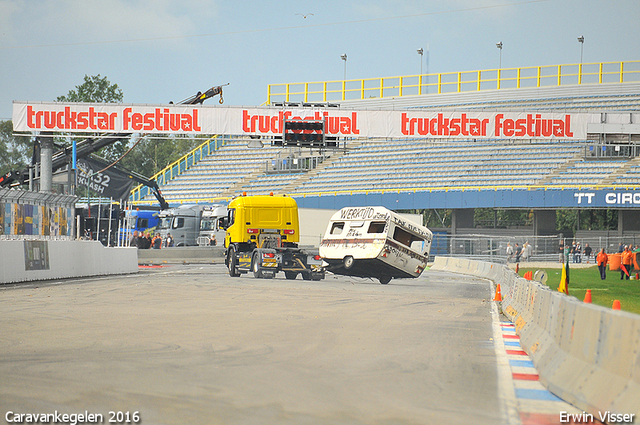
(493, 248)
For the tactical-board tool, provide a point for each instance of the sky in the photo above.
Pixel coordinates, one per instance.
(158, 51)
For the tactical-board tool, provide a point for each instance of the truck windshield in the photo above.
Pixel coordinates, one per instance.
(131, 222)
(164, 223)
(208, 224)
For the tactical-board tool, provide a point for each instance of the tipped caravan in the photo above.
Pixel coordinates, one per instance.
(375, 242)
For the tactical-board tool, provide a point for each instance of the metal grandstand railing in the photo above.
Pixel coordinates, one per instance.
(455, 82)
(212, 144)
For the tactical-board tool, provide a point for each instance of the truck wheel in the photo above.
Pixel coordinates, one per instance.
(348, 262)
(255, 266)
(291, 275)
(384, 280)
(232, 263)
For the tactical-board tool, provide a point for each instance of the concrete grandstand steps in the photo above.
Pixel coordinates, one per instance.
(236, 188)
(351, 146)
(610, 96)
(621, 171)
(548, 179)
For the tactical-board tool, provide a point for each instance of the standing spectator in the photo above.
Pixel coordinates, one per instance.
(134, 239)
(587, 252)
(142, 241)
(578, 253)
(169, 241)
(518, 253)
(525, 252)
(156, 243)
(620, 248)
(602, 261)
(529, 251)
(509, 252)
(627, 258)
(561, 251)
(573, 251)
(145, 242)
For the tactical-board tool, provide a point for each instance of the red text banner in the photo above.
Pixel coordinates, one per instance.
(181, 119)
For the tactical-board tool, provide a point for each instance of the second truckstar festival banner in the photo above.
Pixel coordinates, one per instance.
(268, 121)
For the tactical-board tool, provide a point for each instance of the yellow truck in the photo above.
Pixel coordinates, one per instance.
(262, 235)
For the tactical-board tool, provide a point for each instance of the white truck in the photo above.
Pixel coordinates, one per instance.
(375, 242)
(212, 231)
(184, 223)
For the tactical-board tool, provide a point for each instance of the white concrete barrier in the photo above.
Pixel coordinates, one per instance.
(22, 260)
(585, 354)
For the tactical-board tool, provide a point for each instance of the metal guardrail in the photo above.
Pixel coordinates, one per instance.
(455, 82)
(292, 165)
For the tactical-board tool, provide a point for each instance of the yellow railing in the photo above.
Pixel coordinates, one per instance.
(177, 167)
(423, 189)
(455, 82)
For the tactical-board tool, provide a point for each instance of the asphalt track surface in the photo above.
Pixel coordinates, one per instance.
(189, 344)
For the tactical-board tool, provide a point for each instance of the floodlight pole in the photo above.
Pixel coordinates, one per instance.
(421, 53)
(499, 46)
(344, 58)
(581, 41)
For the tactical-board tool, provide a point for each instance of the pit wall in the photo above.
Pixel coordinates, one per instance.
(585, 354)
(28, 260)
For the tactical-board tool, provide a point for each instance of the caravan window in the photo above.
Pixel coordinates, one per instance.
(408, 239)
(337, 227)
(376, 227)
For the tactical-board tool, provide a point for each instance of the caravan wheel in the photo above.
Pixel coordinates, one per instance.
(348, 262)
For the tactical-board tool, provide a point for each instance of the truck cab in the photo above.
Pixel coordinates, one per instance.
(262, 235)
(138, 220)
(183, 223)
(212, 224)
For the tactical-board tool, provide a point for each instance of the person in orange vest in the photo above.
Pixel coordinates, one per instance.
(156, 243)
(602, 259)
(627, 258)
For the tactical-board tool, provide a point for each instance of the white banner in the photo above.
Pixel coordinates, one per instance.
(181, 119)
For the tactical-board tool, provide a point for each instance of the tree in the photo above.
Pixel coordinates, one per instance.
(152, 155)
(96, 89)
(15, 151)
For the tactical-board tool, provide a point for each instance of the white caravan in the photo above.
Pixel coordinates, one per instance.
(375, 242)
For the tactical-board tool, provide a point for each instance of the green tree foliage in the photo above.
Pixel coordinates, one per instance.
(566, 219)
(97, 89)
(15, 151)
(488, 217)
(432, 218)
(153, 154)
(94, 90)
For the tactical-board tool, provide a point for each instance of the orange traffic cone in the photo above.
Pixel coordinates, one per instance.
(528, 275)
(498, 296)
(587, 296)
(616, 304)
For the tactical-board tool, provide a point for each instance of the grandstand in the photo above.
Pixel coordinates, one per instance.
(451, 173)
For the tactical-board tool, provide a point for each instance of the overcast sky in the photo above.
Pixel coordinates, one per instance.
(163, 50)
